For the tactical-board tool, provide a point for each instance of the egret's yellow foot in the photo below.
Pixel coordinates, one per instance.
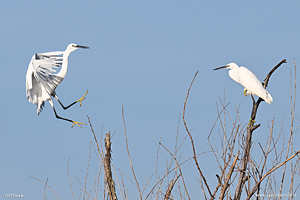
(251, 120)
(245, 92)
(77, 123)
(82, 98)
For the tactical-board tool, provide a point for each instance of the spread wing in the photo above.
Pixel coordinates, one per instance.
(44, 67)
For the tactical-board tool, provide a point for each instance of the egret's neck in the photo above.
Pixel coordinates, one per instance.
(64, 67)
(233, 73)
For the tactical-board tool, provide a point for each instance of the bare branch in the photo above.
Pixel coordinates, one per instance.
(95, 139)
(269, 172)
(251, 127)
(225, 186)
(178, 168)
(272, 71)
(46, 185)
(70, 179)
(45, 189)
(107, 168)
(187, 130)
(171, 185)
(137, 184)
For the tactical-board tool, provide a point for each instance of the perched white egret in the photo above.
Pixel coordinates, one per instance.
(42, 79)
(246, 78)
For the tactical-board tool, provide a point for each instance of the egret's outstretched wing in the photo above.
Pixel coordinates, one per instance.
(44, 66)
(32, 87)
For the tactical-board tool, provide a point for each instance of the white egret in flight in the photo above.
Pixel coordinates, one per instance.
(246, 78)
(41, 81)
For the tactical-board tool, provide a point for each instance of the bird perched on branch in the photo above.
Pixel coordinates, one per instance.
(246, 78)
(42, 79)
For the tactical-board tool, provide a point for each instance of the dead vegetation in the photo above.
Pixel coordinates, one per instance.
(240, 175)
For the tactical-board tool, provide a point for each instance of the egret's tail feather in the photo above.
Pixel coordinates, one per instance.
(40, 107)
(268, 98)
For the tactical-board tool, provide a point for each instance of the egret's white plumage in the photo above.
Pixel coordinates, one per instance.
(42, 79)
(247, 79)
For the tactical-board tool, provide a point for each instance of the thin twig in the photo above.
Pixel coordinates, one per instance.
(100, 154)
(70, 179)
(266, 153)
(87, 169)
(117, 181)
(46, 185)
(292, 121)
(137, 184)
(179, 170)
(272, 71)
(269, 172)
(156, 171)
(167, 174)
(45, 189)
(192, 142)
(226, 183)
(171, 185)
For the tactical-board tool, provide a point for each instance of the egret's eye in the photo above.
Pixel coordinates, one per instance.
(73, 45)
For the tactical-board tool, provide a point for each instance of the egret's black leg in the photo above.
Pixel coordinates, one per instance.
(63, 105)
(58, 117)
(66, 107)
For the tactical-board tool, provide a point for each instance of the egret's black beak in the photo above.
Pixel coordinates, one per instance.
(223, 67)
(83, 47)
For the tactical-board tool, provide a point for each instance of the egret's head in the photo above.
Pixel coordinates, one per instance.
(229, 66)
(73, 47)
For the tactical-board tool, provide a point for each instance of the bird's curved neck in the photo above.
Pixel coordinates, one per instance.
(234, 75)
(64, 67)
